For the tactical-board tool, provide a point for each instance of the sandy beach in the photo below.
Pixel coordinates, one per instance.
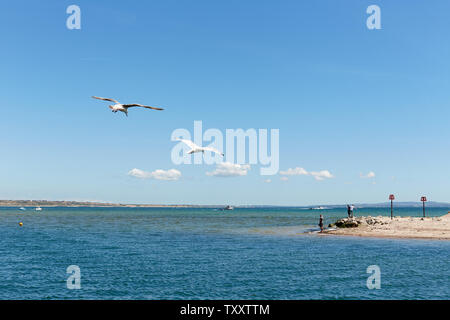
(400, 227)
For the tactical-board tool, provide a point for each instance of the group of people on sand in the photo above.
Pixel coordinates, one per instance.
(350, 209)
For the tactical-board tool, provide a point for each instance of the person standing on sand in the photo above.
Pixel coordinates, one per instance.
(348, 211)
(351, 208)
(321, 223)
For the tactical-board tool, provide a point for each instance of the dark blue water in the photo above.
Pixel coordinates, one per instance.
(136, 253)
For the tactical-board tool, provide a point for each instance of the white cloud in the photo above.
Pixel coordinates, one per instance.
(227, 169)
(268, 181)
(370, 175)
(284, 178)
(294, 172)
(321, 175)
(169, 175)
(298, 171)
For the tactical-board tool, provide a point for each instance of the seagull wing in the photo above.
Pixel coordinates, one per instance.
(213, 150)
(140, 105)
(105, 99)
(189, 143)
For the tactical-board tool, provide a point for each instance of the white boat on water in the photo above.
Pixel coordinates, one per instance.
(228, 208)
(22, 208)
(38, 209)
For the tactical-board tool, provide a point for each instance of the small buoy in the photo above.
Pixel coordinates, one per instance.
(20, 224)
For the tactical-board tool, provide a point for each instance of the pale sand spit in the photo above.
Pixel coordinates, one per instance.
(399, 227)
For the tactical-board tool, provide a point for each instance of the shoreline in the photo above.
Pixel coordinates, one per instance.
(92, 204)
(379, 236)
(428, 228)
(100, 206)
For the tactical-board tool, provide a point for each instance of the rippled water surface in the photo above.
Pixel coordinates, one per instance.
(137, 253)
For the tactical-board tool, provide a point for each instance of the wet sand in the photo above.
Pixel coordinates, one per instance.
(400, 227)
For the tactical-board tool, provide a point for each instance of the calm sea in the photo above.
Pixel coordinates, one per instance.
(137, 253)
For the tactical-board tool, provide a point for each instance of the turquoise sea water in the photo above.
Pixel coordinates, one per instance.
(137, 253)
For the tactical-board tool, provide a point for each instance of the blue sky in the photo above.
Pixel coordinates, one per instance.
(345, 99)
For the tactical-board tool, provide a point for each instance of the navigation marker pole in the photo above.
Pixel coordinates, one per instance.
(392, 197)
(423, 199)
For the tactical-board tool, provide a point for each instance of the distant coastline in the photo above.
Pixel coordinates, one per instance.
(77, 204)
(93, 204)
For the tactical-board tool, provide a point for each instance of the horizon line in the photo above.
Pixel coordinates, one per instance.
(29, 202)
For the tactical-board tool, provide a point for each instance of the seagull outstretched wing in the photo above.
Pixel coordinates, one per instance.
(140, 105)
(213, 150)
(105, 99)
(189, 143)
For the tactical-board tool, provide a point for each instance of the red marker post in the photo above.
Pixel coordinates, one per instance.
(392, 198)
(423, 199)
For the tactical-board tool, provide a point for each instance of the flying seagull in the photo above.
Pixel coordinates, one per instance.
(195, 148)
(124, 107)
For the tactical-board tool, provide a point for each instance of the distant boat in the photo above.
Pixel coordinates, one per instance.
(22, 208)
(228, 208)
(318, 208)
(38, 209)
